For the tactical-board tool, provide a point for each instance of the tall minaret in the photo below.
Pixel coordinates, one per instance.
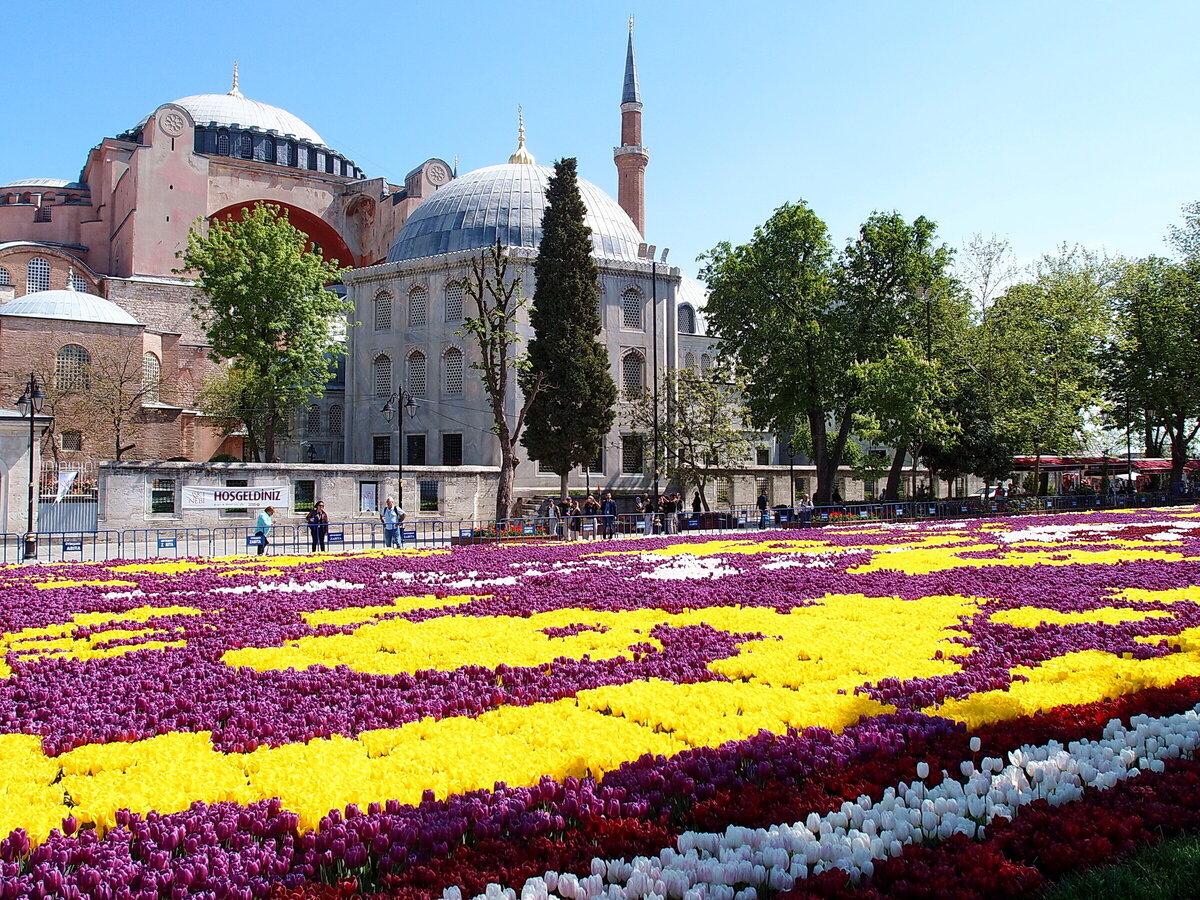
(631, 157)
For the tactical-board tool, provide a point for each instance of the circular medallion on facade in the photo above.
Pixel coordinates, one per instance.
(437, 174)
(172, 122)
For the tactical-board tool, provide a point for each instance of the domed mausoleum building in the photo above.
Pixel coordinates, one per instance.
(411, 310)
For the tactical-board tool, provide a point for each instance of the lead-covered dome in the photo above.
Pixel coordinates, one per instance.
(234, 109)
(507, 202)
(68, 306)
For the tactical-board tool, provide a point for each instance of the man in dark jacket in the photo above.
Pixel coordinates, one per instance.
(608, 509)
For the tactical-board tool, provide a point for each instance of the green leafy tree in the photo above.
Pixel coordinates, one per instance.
(498, 300)
(804, 328)
(265, 304)
(234, 399)
(1152, 362)
(704, 426)
(575, 409)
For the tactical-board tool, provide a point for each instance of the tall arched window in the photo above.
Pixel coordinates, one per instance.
(268, 148)
(418, 305)
(706, 363)
(383, 375)
(5, 278)
(223, 143)
(70, 368)
(245, 145)
(151, 377)
(633, 374)
(383, 311)
(631, 308)
(454, 302)
(312, 424)
(416, 373)
(687, 319)
(335, 420)
(37, 275)
(689, 360)
(454, 371)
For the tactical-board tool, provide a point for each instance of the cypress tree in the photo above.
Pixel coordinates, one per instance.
(574, 411)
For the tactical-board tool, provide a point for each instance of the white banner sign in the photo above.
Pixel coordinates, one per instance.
(205, 497)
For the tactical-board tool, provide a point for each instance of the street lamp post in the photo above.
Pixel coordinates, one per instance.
(791, 448)
(647, 252)
(30, 404)
(398, 404)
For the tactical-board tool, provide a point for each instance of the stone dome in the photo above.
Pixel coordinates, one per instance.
(507, 202)
(68, 306)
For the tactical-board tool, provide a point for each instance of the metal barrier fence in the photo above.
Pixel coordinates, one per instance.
(151, 543)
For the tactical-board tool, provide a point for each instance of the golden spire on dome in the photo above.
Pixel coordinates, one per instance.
(521, 156)
(233, 91)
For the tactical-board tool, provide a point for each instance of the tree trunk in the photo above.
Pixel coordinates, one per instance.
(895, 473)
(1179, 456)
(563, 491)
(816, 424)
(504, 487)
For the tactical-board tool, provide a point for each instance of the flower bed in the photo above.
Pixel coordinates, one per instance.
(813, 712)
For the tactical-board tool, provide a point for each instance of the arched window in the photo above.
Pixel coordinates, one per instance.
(383, 311)
(77, 282)
(245, 146)
(313, 423)
(687, 319)
(633, 374)
(5, 278)
(689, 360)
(37, 275)
(268, 146)
(223, 143)
(383, 375)
(70, 368)
(454, 302)
(335, 420)
(706, 363)
(418, 304)
(151, 377)
(454, 371)
(416, 373)
(631, 308)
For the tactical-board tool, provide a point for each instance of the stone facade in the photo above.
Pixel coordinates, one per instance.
(129, 492)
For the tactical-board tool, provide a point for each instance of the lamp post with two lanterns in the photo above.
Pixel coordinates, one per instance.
(399, 403)
(30, 404)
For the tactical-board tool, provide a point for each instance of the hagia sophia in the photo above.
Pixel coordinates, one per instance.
(88, 272)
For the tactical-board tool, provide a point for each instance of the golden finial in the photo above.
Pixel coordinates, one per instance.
(455, 165)
(233, 91)
(631, 23)
(521, 156)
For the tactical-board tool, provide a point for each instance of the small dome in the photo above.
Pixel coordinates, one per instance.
(68, 306)
(507, 202)
(229, 109)
(45, 183)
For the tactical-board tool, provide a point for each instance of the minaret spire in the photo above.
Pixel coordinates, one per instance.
(233, 91)
(631, 93)
(631, 157)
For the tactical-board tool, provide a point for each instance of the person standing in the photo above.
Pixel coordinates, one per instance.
(697, 503)
(262, 527)
(646, 508)
(608, 509)
(318, 525)
(805, 508)
(575, 517)
(668, 513)
(763, 516)
(391, 517)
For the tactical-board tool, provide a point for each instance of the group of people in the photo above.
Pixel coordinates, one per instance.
(570, 518)
(317, 521)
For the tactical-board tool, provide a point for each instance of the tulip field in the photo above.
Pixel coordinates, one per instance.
(963, 709)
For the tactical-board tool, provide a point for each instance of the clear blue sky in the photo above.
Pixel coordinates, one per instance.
(1042, 122)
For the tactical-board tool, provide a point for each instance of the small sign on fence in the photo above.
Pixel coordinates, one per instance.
(466, 533)
(72, 545)
(785, 517)
(408, 535)
(166, 543)
(525, 529)
(256, 540)
(336, 537)
(693, 522)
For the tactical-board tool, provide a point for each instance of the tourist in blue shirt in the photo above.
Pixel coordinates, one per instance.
(262, 526)
(608, 509)
(391, 517)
